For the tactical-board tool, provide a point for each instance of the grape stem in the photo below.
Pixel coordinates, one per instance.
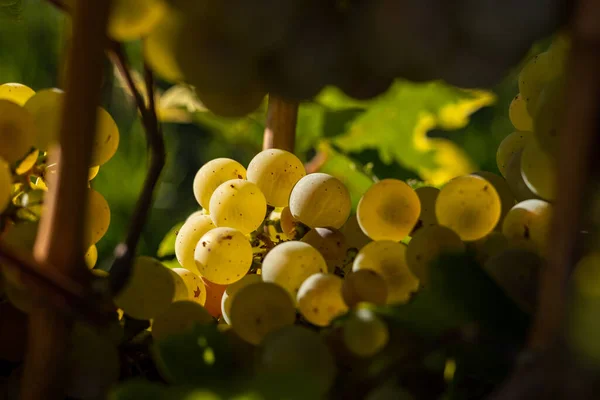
(280, 129)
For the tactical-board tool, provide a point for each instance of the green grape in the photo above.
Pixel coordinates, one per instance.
(5, 184)
(132, 19)
(516, 271)
(320, 299)
(539, 171)
(98, 217)
(160, 44)
(17, 131)
(320, 200)
(238, 204)
(287, 222)
(427, 245)
(188, 237)
(548, 115)
(507, 198)
(354, 235)
(232, 290)
(559, 51)
(196, 291)
(16, 92)
(106, 140)
(179, 317)
(46, 108)
(91, 256)
(291, 263)
(389, 210)
(261, 308)
(519, 116)
(489, 246)
(92, 173)
(470, 206)
(527, 224)
(364, 285)
(330, 243)
(512, 144)
(223, 255)
(275, 172)
(212, 174)
(388, 259)
(515, 181)
(149, 290)
(364, 333)
(533, 77)
(300, 352)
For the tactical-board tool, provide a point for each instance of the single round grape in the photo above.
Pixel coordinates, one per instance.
(223, 255)
(91, 256)
(238, 204)
(320, 299)
(291, 263)
(46, 108)
(470, 206)
(489, 246)
(389, 210)
(299, 351)
(196, 291)
(106, 140)
(527, 224)
(320, 200)
(364, 285)
(27, 163)
(275, 172)
(5, 184)
(519, 116)
(287, 222)
(517, 272)
(232, 290)
(364, 333)
(427, 197)
(533, 78)
(354, 235)
(539, 171)
(93, 172)
(512, 144)
(427, 245)
(515, 181)
(548, 115)
(179, 317)
(261, 308)
(160, 44)
(188, 237)
(181, 290)
(149, 290)
(98, 217)
(212, 174)
(17, 131)
(132, 19)
(388, 259)
(214, 294)
(504, 192)
(330, 243)
(16, 92)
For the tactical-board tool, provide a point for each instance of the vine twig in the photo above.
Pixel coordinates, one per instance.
(280, 130)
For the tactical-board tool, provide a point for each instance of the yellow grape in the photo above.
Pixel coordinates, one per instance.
(17, 131)
(355, 237)
(427, 197)
(188, 237)
(291, 263)
(160, 44)
(212, 174)
(149, 290)
(539, 171)
(91, 256)
(489, 246)
(132, 19)
(46, 108)
(27, 163)
(527, 224)
(518, 114)
(470, 206)
(388, 259)
(389, 210)
(516, 271)
(427, 245)
(232, 290)
(259, 309)
(196, 291)
(320, 200)
(559, 51)
(106, 140)
(238, 204)
(181, 290)
(223, 255)
(179, 317)
(364, 333)
(287, 222)
(515, 181)
(533, 78)
(93, 172)
(301, 352)
(5, 184)
(511, 145)
(16, 92)
(275, 172)
(507, 199)
(548, 115)
(320, 299)
(98, 217)
(364, 285)
(330, 243)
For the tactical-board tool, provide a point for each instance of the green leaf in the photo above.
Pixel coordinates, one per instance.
(167, 245)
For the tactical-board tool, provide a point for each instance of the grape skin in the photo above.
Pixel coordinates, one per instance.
(132, 19)
(106, 140)
(507, 198)
(16, 92)
(514, 178)
(212, 174)
(355, 237)
(195, 290)
(91, 256)
(519, 116)
(539, 171)
(238, 204)
(188, 237)
(320, 200)
(533, 78)
(291, 263)
(364, 333)
(489, 246)
(5, 184)
(389, 210)
(511, 145)
(364, 285)
(98, 217)
(223, 255)
(275, 172)
(527, 224)
(46, 108)
(181, 316)
(330, 243)
(232, 290)
(287, 222)
(548, 115)
(320, 299)
(17, 131)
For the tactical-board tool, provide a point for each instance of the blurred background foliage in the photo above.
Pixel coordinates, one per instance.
(414, 131)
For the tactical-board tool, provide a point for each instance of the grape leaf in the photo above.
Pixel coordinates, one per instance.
(167, 245)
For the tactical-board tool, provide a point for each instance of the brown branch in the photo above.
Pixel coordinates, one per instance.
(280, 130)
